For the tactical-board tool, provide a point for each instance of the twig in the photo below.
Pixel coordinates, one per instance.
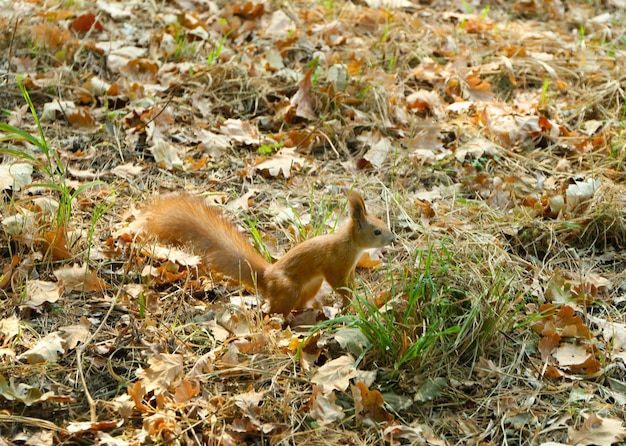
(79, 357)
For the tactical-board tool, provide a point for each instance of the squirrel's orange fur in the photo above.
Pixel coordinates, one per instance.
(296, 277)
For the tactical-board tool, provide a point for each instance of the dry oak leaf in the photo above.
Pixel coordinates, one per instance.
(21, 392)
(137, 392)
(78, 278)
(370, 403)
(47, 349)
(413, 434)
(73, 335)
(9, 328)
(186, 390)
(283, 162)
(250, 404)
(380, 147)
(7, 272)
(570, 354)
(162, 425)
(597, 431)
(164, 373)
(87, 426)
(323, 408)
(40, 291)
(240, 132)
(166, 155)
(335, 374)
(55, 244)
(86, 22)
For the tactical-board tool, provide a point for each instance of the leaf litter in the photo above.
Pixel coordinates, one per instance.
(494, 132)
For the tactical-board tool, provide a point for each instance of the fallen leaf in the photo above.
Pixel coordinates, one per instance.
(571, 354)
(15, 176)
(580, 192)
(281, 163)
(303, 100)
(47, 349)
(370, 404)
(241, 132)
(164, 373)
(40, 291)
(73, 335)
(166, 155)
(9, 327)
(186, 390)
(85, 23)
(323, 408)
(335, 374)
(79, 278)
(21, 392)
(597, 431)
(55, 243)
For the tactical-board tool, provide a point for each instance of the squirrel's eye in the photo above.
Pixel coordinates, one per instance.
(377, 232)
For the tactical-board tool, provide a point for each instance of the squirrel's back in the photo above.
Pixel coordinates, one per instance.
(183, 219)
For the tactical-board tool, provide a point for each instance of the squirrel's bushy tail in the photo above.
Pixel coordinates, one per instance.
(186, 220)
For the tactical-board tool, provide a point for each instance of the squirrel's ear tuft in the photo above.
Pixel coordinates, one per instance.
(357, 205)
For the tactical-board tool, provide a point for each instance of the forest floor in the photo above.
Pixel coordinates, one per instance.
(490, 137)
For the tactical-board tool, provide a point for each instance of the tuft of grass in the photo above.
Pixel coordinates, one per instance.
(421, 313)
(216, 52)
(51, 166)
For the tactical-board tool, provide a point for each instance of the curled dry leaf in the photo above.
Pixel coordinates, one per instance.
(15, 176)
(21, 392)
(303, 100)
(9, 328)
(73, 335)
(369, 403)
(240, 132)
(166, 154)
(323, 408)
(46, 349)
(597, 431)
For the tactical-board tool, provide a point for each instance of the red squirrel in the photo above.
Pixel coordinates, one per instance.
(286, 284)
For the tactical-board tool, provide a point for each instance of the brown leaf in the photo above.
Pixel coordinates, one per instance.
(7, 272)
(164, 372)
(55, 244)
(303, 100)
(367, 261)
(335, 374)
(370, 403)
(141, 70)
(86, 22)
(81, 118)
(280, 164)
(73, 334)
(249, 10)
(137, 393)
(40, 291)
(47, 349)
(186, 390)
(589, 367)
(547, 344)
(79, 278)
(597, 431)
(50, 36)
(323, 408)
